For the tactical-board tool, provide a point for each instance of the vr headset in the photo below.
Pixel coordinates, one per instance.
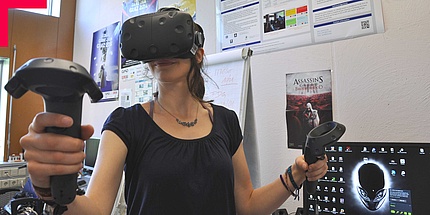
(164, 34)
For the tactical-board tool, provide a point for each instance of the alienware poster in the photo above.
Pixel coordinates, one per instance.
(105, 60)
(308, 104)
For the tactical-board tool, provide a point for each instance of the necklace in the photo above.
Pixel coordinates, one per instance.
(186, 124)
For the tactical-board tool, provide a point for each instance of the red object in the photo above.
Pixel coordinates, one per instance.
(4, 7)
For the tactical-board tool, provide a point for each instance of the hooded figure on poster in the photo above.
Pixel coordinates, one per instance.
(105, 60)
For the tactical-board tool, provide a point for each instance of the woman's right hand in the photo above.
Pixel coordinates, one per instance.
(50, 154)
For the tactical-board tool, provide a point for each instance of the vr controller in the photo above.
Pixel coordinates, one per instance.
(62, 85)
(317, 139)
(164, 34)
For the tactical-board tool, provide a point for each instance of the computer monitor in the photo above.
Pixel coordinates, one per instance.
(91, 149)
(373, 178)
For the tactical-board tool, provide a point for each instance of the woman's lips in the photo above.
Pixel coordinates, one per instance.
(163, 62)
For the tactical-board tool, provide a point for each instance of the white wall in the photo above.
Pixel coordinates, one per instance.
(381, 83)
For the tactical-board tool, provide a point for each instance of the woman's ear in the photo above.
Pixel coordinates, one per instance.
(199, 55)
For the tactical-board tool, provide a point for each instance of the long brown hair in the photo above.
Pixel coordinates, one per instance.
(195, 81)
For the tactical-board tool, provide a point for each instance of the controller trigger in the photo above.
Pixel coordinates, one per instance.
(321, 157)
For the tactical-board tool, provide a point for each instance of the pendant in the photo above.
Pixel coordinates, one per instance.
(187, 124)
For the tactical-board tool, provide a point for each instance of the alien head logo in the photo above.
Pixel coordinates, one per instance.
(371, 186)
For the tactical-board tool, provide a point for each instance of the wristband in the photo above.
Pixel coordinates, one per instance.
(42, 192)
(290, 175)
(295, 194)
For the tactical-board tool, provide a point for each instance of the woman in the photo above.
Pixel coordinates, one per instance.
(181, 155)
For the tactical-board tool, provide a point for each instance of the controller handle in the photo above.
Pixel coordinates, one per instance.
(62, 84)
(317, 139)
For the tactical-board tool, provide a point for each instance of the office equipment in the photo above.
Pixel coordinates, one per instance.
(227, 80)
(373, 178)
(91, 149)
(25, 206)
(13, 177)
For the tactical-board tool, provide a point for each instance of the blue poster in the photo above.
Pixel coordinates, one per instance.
(105, 60)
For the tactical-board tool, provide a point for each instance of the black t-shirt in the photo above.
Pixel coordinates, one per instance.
(167, 175)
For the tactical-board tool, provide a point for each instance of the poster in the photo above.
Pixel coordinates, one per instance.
(144, 90)
(272, 25)
(132, 8)
(308, 104)
(136, 83)
(188, 6)
(104, 60)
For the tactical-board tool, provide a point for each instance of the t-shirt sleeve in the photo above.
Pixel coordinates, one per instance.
(235, 132)
(119, 123)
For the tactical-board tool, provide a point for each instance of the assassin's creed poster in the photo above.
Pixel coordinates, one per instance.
(308, 104)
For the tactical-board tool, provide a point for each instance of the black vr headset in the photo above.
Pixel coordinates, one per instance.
(168, 33)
